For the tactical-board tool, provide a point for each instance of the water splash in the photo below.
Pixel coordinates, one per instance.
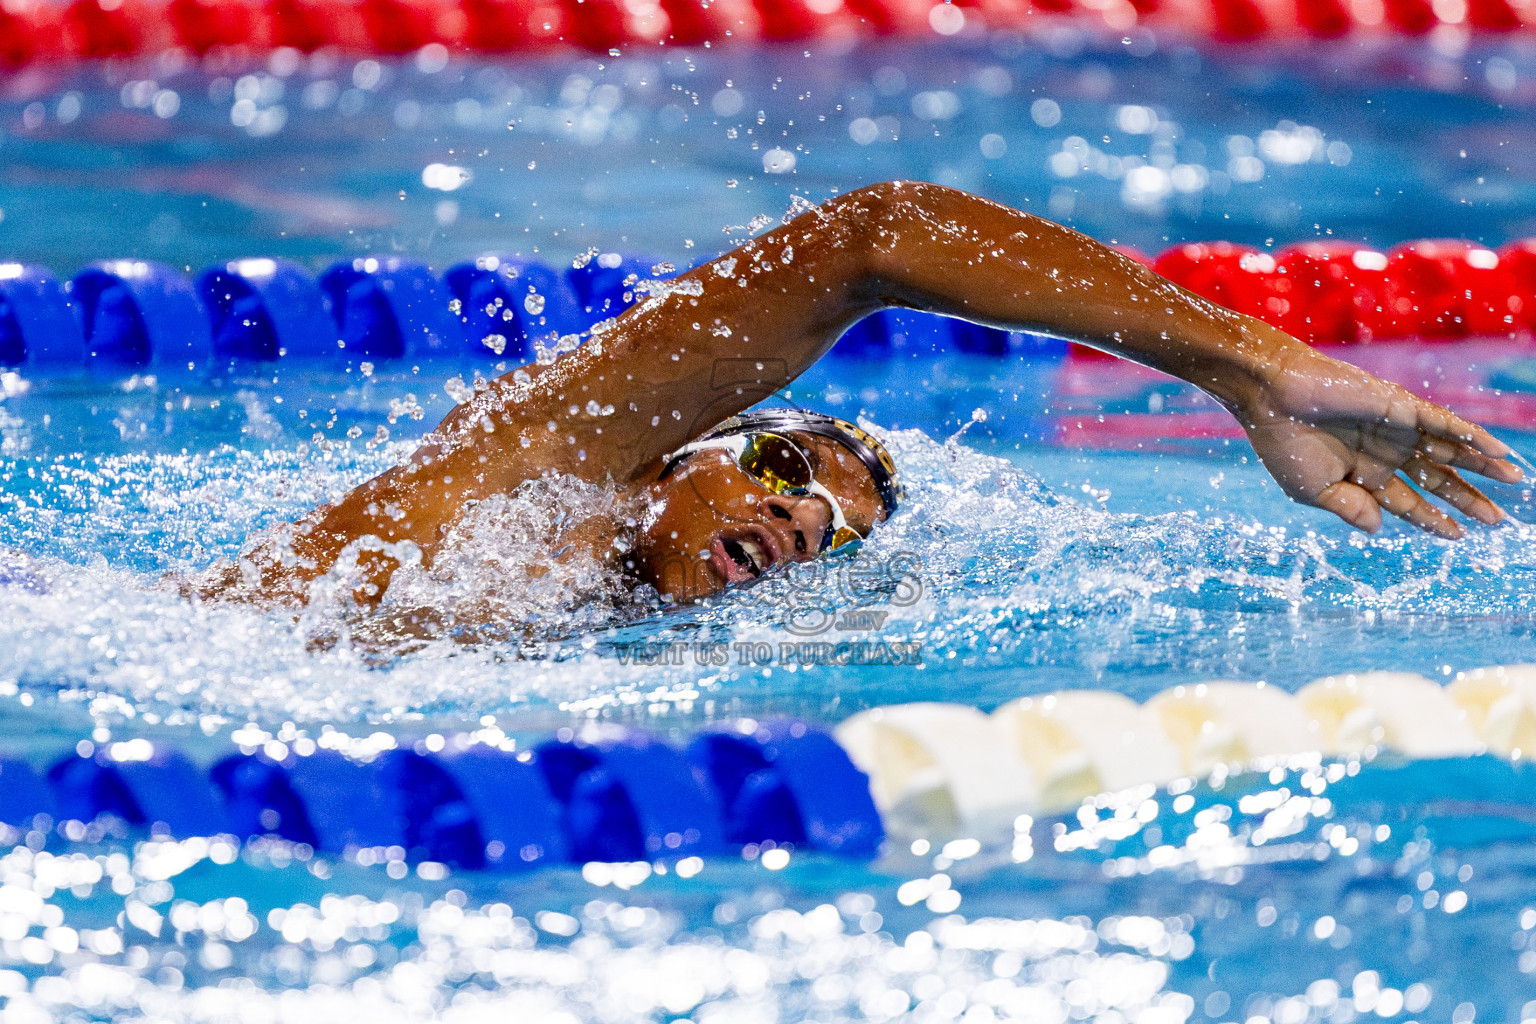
(1007, 586)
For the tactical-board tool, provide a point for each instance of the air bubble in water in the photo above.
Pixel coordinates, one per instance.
(534, 303)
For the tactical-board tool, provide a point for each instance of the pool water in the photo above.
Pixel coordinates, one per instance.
(1070, 524)
(1041, 563)
(1146, 140)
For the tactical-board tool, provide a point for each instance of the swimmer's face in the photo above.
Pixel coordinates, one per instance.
(710, 525)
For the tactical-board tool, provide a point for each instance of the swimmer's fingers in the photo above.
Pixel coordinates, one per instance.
(1359, 501)
(1464, 456)
(1391, 492)
(1409, 505)
(1391, 441)
(1352, 503)
(1446, 484)
(1398, 415)
(1439, 422)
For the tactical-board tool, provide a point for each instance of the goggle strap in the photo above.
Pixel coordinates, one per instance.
(838, 521)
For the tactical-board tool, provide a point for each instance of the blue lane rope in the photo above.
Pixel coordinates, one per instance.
(943, 769)
(118, 317)
(633, 797)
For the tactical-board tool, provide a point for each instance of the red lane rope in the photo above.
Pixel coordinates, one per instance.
(1336, 292)
(1343, 293)
(62, 30)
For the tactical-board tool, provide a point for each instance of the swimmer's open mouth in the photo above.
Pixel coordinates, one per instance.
(744, 554)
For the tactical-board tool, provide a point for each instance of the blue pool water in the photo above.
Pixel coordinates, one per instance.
(1091, 527)
(666, 152)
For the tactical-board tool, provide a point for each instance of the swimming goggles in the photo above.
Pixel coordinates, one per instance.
(780, 465)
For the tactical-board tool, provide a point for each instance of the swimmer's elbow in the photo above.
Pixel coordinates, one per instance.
(865, 227)
(883, 222)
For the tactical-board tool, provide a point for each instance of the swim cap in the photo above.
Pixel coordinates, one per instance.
(868, 449)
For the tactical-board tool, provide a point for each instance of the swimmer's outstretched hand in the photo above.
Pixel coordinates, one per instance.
(1333, 435)
(1340, 439)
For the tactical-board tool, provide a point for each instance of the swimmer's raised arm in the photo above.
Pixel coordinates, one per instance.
(748, 323)
(721, 337)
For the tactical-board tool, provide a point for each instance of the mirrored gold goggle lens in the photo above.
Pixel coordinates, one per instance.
(777, 463)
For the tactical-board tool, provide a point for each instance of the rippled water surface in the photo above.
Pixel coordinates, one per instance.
(1022, 561)
(1143, 140)
(1068, 537)
(1092, 526)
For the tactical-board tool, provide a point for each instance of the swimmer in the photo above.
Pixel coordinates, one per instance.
(651, 404)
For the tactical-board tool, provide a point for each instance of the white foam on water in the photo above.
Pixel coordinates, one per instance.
(983, 560)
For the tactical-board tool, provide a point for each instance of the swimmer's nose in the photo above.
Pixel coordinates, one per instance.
(800, 523)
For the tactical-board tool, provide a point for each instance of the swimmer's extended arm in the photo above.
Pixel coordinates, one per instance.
(1333, 435)
(729, 333)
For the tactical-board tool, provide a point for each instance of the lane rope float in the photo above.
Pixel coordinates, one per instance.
(117, 317)
(624, 795)
(52, 32)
